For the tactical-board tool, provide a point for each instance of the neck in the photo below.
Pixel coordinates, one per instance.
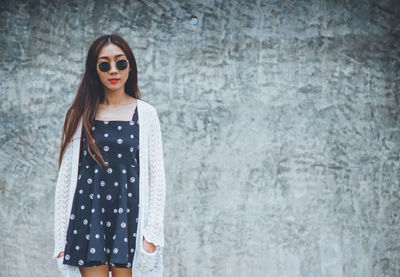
(116, 97)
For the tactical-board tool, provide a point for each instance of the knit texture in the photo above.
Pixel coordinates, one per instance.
(61, 201)
(152, 195)
(153, 231)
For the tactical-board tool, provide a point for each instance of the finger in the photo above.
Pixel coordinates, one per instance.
(59, 255)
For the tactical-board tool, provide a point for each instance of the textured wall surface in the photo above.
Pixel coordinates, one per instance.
(280, 121)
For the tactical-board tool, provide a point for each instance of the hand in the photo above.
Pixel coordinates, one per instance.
(59, 255)
(149, 247)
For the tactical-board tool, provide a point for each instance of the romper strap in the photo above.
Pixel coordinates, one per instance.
(134, 116)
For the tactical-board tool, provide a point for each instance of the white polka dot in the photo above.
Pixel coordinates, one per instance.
(83, 207)
(131, 149)
(126, 186)
(108, 223)
(128, 210)
(103, 210)
(75, 232)
(106, 122)
(130, 194)
(98, 196)
(93, 128)
(101, 222)
(132, 165)
(134, 234)
(109, 170)
(106, 148)
(124, 171)
(108, 197)
(137, 220)
(97, 236)
(72, 216)
(119, 141)
(132, 136)
(126, 239)
(131, 122)
(115, 211)
(87, 236)
(119, 155)
(102, 183)
(123, 224)
(132, 179)
(93, 210)
(79, 176)
(87, 166)
(91, 196)
(92, 250)
(67, 257)
(80, 191)
(85, 221)
(96, 170)
(80, 262)
(119, 127)
(89, 181)
(132, 250)
(115, 251)
(129, 264)
(116, 184)
(77, 247)
(120, 210)
(106, 135)
(84, 152)
(108, 250)
(114, 237)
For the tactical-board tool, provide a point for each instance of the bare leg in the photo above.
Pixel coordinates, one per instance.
(121, 272)
(94, 271)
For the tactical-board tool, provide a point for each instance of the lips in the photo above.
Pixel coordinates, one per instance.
(114, 80)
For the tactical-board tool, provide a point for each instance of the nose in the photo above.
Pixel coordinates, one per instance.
(113, 68)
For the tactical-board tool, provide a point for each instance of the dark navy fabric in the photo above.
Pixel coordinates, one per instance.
(104, 216)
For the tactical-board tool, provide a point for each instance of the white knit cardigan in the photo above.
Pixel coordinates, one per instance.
(152, 191)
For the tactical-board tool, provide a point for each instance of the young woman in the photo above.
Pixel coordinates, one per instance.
(110, 192)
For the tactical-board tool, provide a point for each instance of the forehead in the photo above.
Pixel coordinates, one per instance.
(110, 51)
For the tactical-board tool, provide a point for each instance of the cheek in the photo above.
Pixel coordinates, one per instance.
(126, 75)
(101, 76)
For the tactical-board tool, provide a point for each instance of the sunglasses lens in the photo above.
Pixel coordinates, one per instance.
(104, 66)
(122, 64)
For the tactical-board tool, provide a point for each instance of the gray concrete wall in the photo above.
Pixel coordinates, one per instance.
(280, 123)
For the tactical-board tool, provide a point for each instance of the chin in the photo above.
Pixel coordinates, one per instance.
(111, 88)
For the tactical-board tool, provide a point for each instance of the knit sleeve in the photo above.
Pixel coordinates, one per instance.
(154, 229)
(61, 201)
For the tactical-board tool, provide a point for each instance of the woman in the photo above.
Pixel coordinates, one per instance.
(110, 193)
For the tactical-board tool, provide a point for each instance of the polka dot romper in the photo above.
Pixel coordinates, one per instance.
(104, 216)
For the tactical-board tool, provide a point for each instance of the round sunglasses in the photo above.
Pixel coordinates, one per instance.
(106, 66)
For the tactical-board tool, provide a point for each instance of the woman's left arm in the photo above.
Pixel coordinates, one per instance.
(154, 229)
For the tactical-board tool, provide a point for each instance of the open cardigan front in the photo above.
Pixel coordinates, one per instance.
(152, 190)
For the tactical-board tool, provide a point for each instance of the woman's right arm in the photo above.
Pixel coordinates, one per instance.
(61, 202)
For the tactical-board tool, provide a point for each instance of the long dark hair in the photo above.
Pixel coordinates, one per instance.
(91, 93)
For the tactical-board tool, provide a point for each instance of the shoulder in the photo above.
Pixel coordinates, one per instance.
(147, 107)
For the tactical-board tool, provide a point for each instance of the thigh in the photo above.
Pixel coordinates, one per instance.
(94, 271)
(121, 272)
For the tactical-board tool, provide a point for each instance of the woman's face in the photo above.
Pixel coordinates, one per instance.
(112, 53)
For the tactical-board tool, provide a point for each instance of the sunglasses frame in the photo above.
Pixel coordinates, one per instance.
(116, 64)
